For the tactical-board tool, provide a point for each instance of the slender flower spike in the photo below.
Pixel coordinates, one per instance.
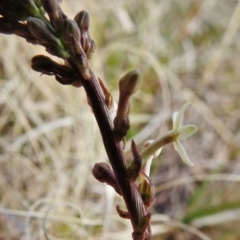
(183, 133)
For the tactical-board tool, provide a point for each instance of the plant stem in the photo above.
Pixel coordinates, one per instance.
(114, 151)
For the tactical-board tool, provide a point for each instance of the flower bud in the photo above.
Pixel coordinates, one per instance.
(79, 57)
(50, 6)
(128, 85)
(83, 20)
(70, 30)
(55, 13)
(130, 82)
(40, 30)
(103, 173)
(63, 74)
(46, 65)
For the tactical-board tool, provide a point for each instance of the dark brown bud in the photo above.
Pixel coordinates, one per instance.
(136, 165)
(63, 74)
(55, 13)
(130, 82)
(128, 85)
(50, 6)
(103, 173)
(47, 66)
(46, 38)
(40, 30)
(80, 58)
(83, 20)
(70, 30)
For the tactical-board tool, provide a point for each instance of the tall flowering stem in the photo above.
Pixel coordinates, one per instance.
(70, 40)
(43, 22)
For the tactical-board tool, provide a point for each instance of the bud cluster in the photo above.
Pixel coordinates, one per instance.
(61, 36)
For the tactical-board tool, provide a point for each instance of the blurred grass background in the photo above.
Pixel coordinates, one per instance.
(188, 51)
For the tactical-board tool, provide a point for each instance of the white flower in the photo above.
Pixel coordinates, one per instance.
(183, 133)
(178, 133)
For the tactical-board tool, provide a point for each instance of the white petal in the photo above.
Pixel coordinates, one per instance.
(146, 168)
(174, 119)
(175, 146)
(186, 131)
(178, 146)
(180, 115)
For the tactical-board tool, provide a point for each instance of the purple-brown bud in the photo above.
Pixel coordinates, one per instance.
(128, 85)
(50, 6)
(45, 37)
(83, 20)
(130, 82)
(103, 173)
(79, 57)
(70, 30)
(55, 13)
(63, 74)
(40, 30)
